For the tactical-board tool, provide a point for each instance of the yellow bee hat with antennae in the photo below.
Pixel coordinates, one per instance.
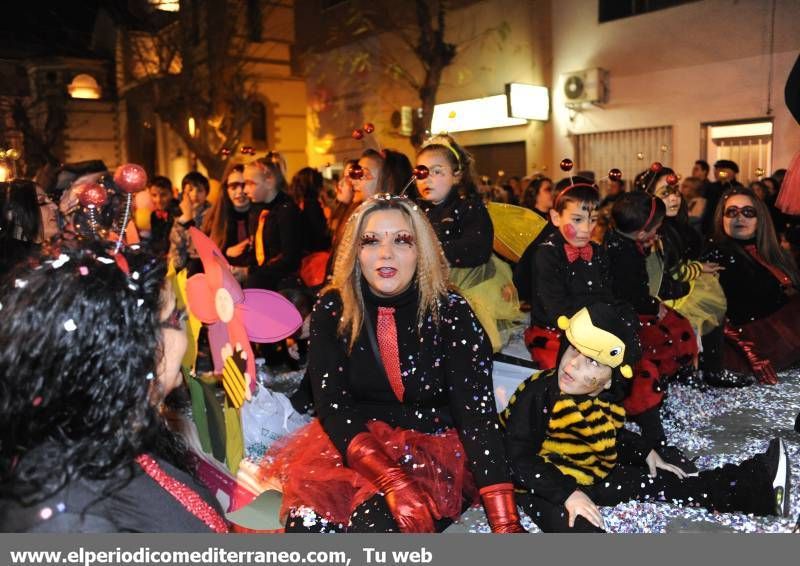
(605, 333)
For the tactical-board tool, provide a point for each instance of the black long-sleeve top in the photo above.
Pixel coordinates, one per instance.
(563, 288)
(104, 506)
(682, 245)
(446, 372)
(629, 278)
(282, 236)
(238, 228)
(523, 272)
(751, 290)
(526, 422)
(464, 229)
(316, 236)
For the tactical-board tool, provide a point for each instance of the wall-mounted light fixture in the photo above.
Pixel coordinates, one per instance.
(166, 5)
(84, 86)
(528, 101)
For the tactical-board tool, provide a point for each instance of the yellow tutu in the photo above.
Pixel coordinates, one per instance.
(705, 304)
(490, 292)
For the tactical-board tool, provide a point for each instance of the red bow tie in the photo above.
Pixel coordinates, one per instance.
(573, 253)
(162, 215)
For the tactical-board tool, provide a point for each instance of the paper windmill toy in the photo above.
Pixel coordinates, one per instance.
(235, 317)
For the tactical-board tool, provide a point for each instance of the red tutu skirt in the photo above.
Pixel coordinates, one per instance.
(543, 344)
(775, 337)
(313, 475)
(667, 345)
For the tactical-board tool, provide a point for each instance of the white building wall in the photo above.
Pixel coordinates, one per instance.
(701, 62)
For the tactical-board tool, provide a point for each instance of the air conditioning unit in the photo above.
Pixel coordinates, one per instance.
(587, 86)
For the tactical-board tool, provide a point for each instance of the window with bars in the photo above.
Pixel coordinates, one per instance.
(748, 143)
(631, 151)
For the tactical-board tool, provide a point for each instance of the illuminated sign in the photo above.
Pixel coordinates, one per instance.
(528, 101)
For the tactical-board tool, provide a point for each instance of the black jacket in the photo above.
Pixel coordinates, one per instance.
(751, 290)
(464, 229)
(563, 288)
(523, 272)
(83, 506)
(282, 235)
(629, 278)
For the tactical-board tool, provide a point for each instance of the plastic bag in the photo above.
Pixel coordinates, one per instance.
(267, 417)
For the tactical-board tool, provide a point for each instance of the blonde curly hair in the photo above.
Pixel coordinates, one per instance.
(431, 276)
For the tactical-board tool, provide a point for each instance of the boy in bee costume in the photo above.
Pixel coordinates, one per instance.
(570, 453)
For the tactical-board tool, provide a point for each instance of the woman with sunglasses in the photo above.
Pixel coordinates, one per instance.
(760, 281)
(449, 197)
(407, 436)
(688, 285)
(228, 221)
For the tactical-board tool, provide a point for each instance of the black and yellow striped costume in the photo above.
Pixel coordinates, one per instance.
(558, 442)
(581, 437)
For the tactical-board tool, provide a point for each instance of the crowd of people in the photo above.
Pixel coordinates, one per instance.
(664, 280)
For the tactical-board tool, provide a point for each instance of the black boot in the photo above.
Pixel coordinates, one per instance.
(727, 378)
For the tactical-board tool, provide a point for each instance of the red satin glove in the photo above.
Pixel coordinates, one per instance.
(761, 367)
(411, 507)
(498, 502)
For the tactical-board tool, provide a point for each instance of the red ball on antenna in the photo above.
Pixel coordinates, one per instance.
(92, 194)
(566, 164)
(615, 174)
(672, 179)
(421, 172)
(225, 152)
(358, 134)
(656, 167)
(130, 177)
(248, 150)
(369, 127)
(356, 172)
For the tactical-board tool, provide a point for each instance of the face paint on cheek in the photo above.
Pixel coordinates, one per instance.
(570, 231)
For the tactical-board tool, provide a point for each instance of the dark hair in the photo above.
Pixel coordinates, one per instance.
(695, 184)
(726, 164)
(274, 162)
(703, 165)
(460, 161)
(637, 211)
(306, 185)
(80, 340)
(197, 180)
(20, 217)
(766, 241)
(575, 189)
(759, 184)
(215, 224)
(161, 182)
(395, 171)
(531, 192)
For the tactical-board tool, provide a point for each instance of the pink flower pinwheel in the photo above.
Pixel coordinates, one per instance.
(235, 315)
